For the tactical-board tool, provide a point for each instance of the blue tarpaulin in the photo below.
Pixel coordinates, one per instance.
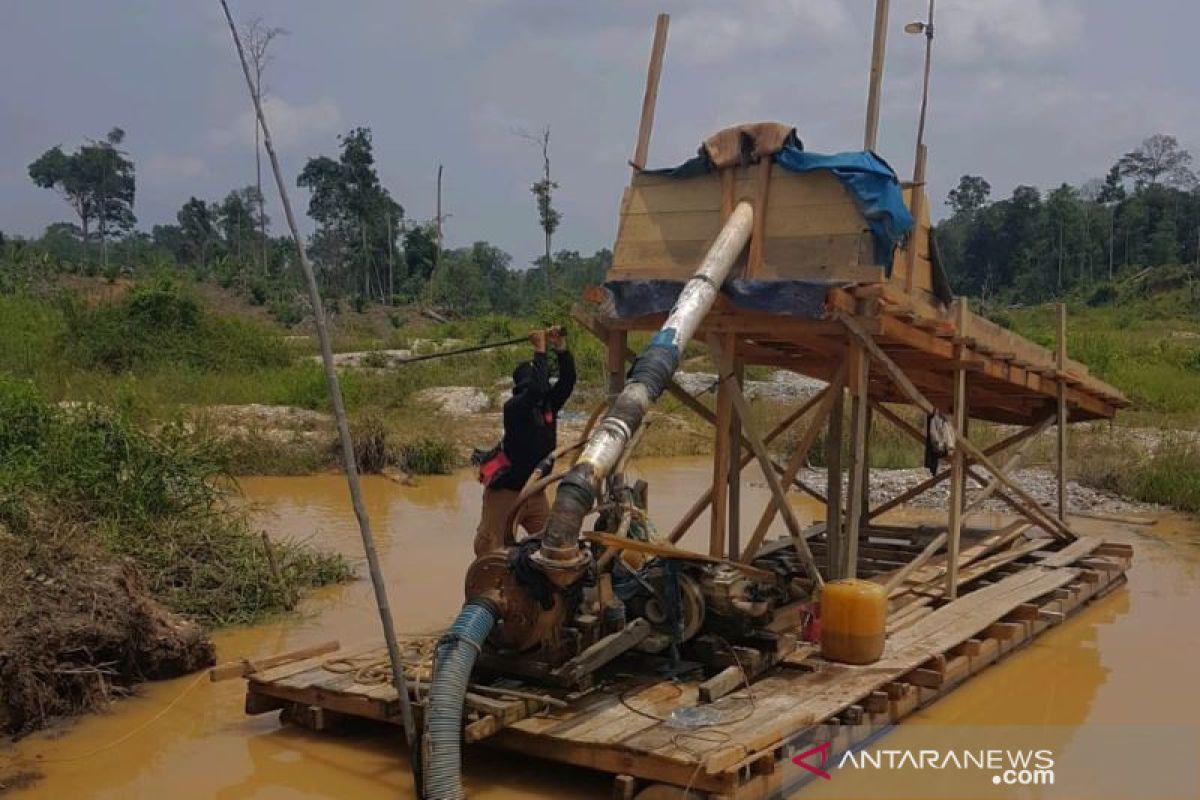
(873, 185)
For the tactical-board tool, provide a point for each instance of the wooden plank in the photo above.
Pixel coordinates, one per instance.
(245, 666)
(790, 702)
(958, 457)
(650, 98)
(721, 684)
(1080, 548)
(605, 650)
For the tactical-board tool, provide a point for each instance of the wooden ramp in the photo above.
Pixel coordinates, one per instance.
(623, 725)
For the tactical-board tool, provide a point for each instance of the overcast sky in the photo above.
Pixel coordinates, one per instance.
(1024, 91)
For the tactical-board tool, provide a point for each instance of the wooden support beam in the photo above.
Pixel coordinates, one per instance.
(896, 580)
(994, 484)
(833, 486)
(958, 458)
(800, 454)
(705, 500)
(929, 483)
(859, 371)
(1061, 363)
(615, 342)
(721, 450)
(733, 535)
(1029, 506)
(653, 72)
(754, 260)
(764, 460)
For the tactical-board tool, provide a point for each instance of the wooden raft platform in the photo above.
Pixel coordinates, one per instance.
(619, 726)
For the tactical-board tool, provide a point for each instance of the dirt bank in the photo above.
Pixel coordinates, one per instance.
(78, 628)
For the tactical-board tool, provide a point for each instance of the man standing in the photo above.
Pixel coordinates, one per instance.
(530, 434)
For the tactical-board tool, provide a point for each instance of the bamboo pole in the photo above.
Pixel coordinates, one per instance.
(733, 535)
(339, 413)
(878, 49)
(650, 98)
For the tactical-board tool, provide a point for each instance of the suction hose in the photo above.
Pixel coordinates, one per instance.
(455, 658)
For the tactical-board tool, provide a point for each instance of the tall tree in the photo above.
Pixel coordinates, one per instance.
(97, 180)
(238, 217)
(356, 217)
(1159, 158)
(258, 37)
(198, 226)
(543, 192)
(970, 195)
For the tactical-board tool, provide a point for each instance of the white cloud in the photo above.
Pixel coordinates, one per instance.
(289, 124)
(987, 31)
(163, 168)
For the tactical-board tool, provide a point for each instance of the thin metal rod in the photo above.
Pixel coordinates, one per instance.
(339, 411)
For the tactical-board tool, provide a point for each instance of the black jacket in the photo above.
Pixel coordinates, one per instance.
(531, 419)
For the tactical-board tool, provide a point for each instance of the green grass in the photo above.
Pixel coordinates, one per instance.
(163, 498)
(1146, 346)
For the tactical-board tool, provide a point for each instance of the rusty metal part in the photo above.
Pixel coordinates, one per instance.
(523, 624)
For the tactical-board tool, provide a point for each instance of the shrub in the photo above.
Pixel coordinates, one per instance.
(426, 455)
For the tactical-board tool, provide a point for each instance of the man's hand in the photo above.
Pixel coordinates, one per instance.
(558, 338)
(538, 338)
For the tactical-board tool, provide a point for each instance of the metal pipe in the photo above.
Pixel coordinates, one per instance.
(560, 557)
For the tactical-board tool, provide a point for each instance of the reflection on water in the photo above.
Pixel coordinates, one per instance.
(1127, 660)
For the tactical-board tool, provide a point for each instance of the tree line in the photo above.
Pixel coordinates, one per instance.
(1033, 246)
(363, 247)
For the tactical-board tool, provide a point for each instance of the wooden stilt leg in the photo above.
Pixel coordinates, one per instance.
(1062, 411)
(1029, 506)
(764, 460)
(734, 533)
(615, 346)
(798, 457)
(858, 454)
(705, 499)
(866, 487)
(958, 463)
(720, 500)
(833, 486)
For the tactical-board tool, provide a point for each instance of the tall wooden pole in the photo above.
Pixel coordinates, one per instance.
(833, 486)
(721, 452)
(859, 371)
(958, 457)
(339, 413)
(1061, 355)
(650, 98)
(878, 49)
(733, 535)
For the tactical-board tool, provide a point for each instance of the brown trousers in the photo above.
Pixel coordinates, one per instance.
(497, 504)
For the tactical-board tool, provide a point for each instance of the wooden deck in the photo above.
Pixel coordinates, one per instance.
(619, 726)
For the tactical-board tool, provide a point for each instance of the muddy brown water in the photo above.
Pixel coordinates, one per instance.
(1128, 660)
